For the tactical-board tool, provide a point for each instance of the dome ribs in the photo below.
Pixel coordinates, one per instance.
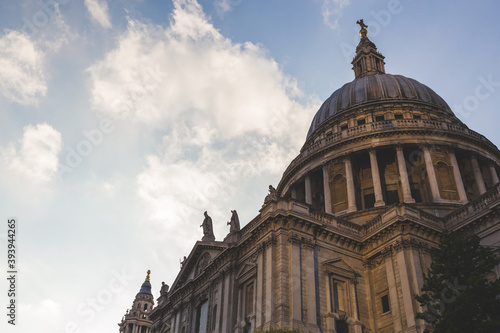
(375, 89)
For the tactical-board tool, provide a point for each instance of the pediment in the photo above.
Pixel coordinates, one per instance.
(339, 267)
(248, 270)
(201, 256)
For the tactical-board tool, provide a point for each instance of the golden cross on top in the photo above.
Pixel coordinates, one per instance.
(363, 26)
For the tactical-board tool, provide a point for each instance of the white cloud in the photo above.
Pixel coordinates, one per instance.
(228, 110)
(38, 313)
(57, 33)
(21, 75)
(224, 6)
(332, 10)
(99, 12)
(37, 156)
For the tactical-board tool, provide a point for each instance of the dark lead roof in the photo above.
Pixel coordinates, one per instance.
(379, 88)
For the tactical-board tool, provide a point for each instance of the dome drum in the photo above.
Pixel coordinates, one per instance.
(413, 172)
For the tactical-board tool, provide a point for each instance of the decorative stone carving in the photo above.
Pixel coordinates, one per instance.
(203, 262)
(272, 196)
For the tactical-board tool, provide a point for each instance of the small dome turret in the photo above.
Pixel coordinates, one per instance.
(146, 286)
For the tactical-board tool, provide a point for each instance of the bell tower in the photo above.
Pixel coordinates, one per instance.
(136, 320)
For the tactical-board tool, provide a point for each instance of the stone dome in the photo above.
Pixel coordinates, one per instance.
(373, 89)
(387, 139)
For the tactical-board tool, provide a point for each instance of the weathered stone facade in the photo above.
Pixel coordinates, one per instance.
(343, 243)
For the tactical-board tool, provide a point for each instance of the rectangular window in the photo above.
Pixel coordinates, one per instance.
(398, 116)
(361, 121)
(249, 300)
(369, 200)
(343, 127)
(335, 295)
(385, 304)
(202, 317)
(417, 116)
(392, 197)
(379, 118)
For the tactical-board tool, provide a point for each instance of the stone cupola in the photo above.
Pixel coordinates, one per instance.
(368, 61)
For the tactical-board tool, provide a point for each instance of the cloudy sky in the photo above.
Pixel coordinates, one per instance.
(123, 121)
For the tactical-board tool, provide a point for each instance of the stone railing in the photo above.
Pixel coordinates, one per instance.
(381, 126)
(474, 207)
(349, 227)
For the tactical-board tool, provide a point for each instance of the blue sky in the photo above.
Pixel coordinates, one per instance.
(123, 121)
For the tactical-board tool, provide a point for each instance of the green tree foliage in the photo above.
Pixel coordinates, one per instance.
(456, 295)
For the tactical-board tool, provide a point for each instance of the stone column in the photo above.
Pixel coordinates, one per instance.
(403, 175)
(493, 173)
(458, 177)
(326, 189)
(377, 185)
(431, 174)
(478, 175)
(307, 182)
(351, 197)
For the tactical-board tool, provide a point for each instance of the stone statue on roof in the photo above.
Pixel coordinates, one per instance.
(272, 196)
(208, 230)
(164, 289)
(234, 223)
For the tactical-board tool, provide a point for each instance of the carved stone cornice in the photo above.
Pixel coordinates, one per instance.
(307, 243)
(270, 240)
(294, 239)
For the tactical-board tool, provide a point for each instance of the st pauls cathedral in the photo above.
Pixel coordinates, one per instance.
(343, 242)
